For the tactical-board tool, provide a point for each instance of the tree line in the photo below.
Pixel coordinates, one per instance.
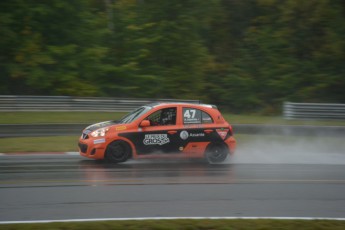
(246, 56)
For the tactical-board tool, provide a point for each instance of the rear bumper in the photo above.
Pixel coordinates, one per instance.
(231, 142)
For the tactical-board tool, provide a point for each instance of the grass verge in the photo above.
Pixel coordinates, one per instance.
(187, 224)
(57, 117)
(93, 117)
(39, 144)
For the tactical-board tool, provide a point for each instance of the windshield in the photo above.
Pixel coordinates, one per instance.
(134, 115)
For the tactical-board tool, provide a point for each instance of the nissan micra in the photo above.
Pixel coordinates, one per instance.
(173, 130)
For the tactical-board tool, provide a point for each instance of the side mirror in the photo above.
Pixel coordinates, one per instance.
(145, 123)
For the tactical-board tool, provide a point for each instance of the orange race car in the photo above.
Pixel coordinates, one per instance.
(161, 130)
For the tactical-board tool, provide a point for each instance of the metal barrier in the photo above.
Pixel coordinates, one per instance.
(67, 103)
(313, 111)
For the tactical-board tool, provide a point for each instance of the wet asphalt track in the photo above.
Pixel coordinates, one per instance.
(53, 187)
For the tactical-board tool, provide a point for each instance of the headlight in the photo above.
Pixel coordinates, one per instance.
(99, 132)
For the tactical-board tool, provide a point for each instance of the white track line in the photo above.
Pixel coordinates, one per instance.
(170, 218)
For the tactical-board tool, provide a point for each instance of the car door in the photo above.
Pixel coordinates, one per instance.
(160, 137)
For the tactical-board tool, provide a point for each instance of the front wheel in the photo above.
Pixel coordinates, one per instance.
(216, 153)
(117, 152)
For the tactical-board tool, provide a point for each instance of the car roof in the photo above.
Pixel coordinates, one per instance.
(155, 104)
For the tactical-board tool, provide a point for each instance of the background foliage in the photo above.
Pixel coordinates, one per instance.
(245, 55)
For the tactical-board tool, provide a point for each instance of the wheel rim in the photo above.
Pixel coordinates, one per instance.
(117, 152)
(217, 154)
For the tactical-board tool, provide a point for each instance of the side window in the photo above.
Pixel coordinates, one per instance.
(163, 117)
(206, 119)
(191, 116)
(195, 116)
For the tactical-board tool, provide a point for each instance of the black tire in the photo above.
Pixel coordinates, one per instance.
(117, 152)
(216, 153)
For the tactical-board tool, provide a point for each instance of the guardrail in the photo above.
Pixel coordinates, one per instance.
(66, 103)
(313, 111)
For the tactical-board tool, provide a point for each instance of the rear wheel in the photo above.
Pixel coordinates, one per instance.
(216, 153)
(118, 151)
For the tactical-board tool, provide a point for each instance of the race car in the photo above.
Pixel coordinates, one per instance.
(172, 130)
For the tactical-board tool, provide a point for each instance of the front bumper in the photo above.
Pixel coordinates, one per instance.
(82, 148)
(92, 148)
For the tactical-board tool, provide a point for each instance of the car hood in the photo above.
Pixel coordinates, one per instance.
(96, 126)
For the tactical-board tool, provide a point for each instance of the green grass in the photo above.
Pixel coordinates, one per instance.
(277, 120)
(93, 117)
(204, 224)
(39, 144)
(57, 117)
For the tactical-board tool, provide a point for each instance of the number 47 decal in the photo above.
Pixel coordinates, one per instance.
(190, 113)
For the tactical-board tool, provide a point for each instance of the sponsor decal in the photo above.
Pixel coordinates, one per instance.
(197, 134)
(222, 132)
(206, 119)
(191, 116)
(156, 139)
(120, 128)
(184, 135)
(99, 141)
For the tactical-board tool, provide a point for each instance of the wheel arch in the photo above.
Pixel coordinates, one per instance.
(212, 145)
(215, 143)
(127, 141)
(118, 151)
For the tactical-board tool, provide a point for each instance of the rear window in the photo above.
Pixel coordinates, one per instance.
(196, 116)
